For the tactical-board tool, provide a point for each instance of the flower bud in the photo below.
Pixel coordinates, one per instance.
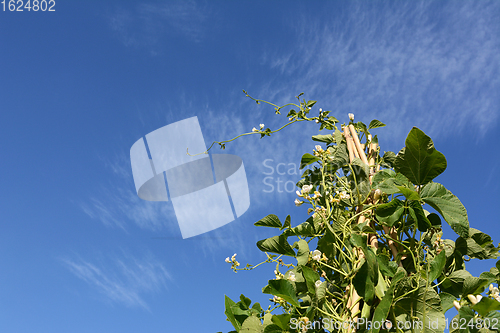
(456, 305)
(351, 116)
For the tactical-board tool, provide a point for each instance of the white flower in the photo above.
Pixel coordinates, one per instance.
(298, 202)
(228, 260)
(351, 116)
(233, 257)
(291, 277)
(317, 283)
(478, 298)
(254, 130)
(316, 255)
(317, 194)
(318, 148)
(344, 195)
(298, 193)
(472, 299)
(317, 121)
(320, 110)
(456, 305)
(307, 188)
(261, 126)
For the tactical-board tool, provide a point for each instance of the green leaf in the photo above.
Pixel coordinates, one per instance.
(339, 158)
(282, 288)
(446, 300)
(474, 285)
(251, 325)
(229, 305)
(478, 245)
(245, 301)
(419, 160)
(391, 212)
(423, 304)
(375, 124)
(448, 205)
(328, 138)
(382, 310)
(282, 320)
(486, 305)
(287, 223)
(437, 266)
(276, 244)
(269, 221)
(311, 277)
(304, 229)
(272, 328)
(302, 252)
(386, 266)
(408, 193)
(307, 159)
(388, 159)
(418, 214)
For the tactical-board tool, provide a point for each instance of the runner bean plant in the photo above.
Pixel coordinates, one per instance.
(380, 261)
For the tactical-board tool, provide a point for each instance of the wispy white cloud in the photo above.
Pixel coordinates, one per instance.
(147, 25)
(117, 204)
(122, 280)
(430, 64)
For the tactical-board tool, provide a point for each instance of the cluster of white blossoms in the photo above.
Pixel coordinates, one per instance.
(233, 262)
(278, 275)
(304, 193)
(257, 130)
(494, 292)
(343, 195)
(318, 150)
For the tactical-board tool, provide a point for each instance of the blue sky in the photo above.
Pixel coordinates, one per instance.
(80, 252)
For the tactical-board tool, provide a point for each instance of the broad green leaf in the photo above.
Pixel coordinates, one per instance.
(229, 306)
(408, 193)
(386, 266)
(448, 205)
(436, 266)
(419, 160)
(375, 124)
(304, 229)
(282, 288)
(446, 300)
(276, 244)
(328, 138)
(287, 223)
(418, 214)
(272, 328)
(311, 277)
(269, 221)
(302, 252)
(474, 285)
(391, 212)
(424, 304)
(478, 245)
(251, 325)
(486, 305)
(245, 301)
(388, 159)
(307, 159)
(366, 278)
(338, 159)
(382, 310)
(282, 320)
